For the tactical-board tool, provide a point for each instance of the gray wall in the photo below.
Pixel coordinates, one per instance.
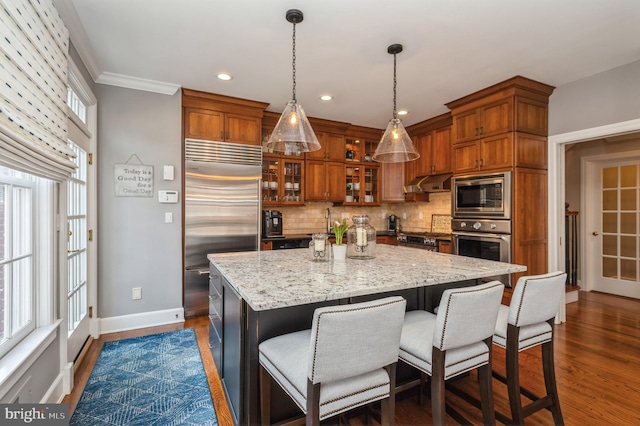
(606, 98)
(136, 248)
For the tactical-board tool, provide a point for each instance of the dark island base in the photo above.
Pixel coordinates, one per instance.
(245, 328)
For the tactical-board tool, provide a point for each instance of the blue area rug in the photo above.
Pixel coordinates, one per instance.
(149, 380)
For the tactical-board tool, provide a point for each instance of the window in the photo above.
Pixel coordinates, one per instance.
(76, 105)
(17, 278)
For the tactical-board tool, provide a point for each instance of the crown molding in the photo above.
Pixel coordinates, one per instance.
(136, 83)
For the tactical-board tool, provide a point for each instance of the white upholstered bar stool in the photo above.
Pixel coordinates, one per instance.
(455, 340)
(346, 360)
(528, 321)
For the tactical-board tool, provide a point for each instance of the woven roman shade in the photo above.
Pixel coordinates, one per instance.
(33, 72)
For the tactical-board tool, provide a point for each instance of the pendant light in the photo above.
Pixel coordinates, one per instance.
(395, 145)
(293, 133)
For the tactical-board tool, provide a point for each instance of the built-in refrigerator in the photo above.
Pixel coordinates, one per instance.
(221, 210)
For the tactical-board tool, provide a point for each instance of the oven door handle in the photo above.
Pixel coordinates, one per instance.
(503, 237)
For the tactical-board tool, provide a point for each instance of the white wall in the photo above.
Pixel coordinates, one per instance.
(136, 247)
(606, 98)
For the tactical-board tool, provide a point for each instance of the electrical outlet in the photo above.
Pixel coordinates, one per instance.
(137, 293)
(420, 216)
(404, 215)
(168, 217)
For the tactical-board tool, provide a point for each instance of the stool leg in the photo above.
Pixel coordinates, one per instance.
(486, 391)
(437, 387)
(513, 379)
(548, 367)
(391, 405)
(265, 396)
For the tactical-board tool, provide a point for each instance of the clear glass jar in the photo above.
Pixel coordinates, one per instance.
(319, 248)
(361, 239)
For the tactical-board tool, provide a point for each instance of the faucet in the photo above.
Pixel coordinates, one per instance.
(327, 215)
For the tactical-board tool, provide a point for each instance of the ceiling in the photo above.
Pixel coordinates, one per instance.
(451, 48)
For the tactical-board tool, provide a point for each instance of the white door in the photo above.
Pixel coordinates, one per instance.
(77, 256)
(81, 256)
(613, 255)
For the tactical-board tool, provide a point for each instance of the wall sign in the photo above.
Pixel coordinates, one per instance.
(133, 180)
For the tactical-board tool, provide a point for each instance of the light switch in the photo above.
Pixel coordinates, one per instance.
(168, 173)
(168, 217)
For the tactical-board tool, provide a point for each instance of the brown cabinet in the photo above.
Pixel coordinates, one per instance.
(324, 181)
(444, 246)
(500, 127)
(332, 147)
(513, 149)
(485, 154)
(266, 245)
(221, 118)
(487, 120)
(529, 221)
(282, 180)
(432, 139)
(505, 127)
(392, 182)
(391, 240)
(435, 152)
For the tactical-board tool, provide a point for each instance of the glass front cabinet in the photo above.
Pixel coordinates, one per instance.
(362, 174)
(282, 180)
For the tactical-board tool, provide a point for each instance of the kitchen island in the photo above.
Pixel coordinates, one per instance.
(258, 295)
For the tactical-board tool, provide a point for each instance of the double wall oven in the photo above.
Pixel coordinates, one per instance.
(481, 224)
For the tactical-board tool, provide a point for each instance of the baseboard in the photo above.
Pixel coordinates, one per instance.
(142, 320)
(55, 394)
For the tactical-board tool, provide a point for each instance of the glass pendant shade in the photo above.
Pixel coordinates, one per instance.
(396, 145)
(293, 133)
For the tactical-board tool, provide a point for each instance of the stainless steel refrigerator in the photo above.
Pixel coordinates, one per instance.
(221, 210)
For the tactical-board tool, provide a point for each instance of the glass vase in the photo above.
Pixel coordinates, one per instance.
(361, 239)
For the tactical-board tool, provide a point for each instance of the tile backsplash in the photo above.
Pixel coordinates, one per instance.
(413, 216)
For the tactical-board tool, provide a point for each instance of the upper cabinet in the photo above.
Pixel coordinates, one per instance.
(502, 126)
(432, 139)
(332, 147)
(221, 118)
(325, 171)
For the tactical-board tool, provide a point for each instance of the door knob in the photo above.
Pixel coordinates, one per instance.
(595, 233)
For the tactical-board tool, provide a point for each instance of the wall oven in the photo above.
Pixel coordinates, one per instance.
(484, 239)
(482, 196)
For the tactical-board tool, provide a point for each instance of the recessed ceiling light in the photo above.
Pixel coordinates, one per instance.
(403, 112)
(224, 76)
(326, 97)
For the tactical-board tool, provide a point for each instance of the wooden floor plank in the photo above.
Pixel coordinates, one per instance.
(597, 368)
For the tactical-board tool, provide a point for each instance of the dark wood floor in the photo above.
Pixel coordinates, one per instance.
(597, 368)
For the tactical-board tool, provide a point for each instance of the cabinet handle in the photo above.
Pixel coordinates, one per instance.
(476, 129)
(476, 163)
(221, 135)
(482, 130)
(481, 162)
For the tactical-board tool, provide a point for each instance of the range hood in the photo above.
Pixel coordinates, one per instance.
(433, 183)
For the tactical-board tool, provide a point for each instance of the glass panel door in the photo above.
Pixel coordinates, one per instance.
(618, 245)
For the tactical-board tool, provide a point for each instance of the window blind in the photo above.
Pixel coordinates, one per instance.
(33, 72)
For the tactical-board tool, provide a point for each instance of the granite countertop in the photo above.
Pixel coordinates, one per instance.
(281, 278)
